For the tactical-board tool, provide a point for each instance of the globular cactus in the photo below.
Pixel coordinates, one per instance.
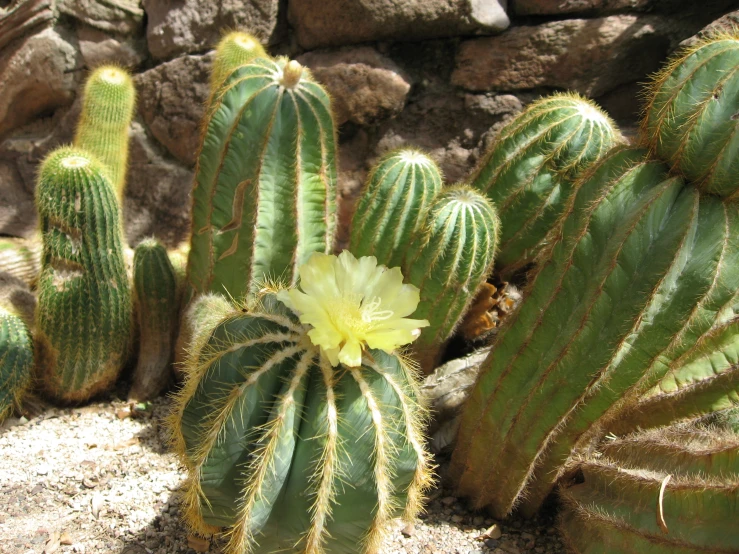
(665, 491)
(264, 196)
(156, 293)
(107, 108)
(690, 120)
(393, 204)
(16, 360)
(289, 451)
(235, 49)
(531, 170)
(449, 259)
(83, 320)
(21, 258)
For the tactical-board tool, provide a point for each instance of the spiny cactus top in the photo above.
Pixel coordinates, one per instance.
(691, 118)
(393, 205)
(107, 109)
(265, 189)
(530, 171)
(234, 49)
(16, 360)
(83, 320)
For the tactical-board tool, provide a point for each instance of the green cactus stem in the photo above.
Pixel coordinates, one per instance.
(234, 50)
(450, 258)
(265, 189)
(83, 320)
(393, 205)
(691, 117)
(530, 172)
(666, 491)
(289, 453)
(16, 360)
(21, 258)
(107, 108)
(156, 303)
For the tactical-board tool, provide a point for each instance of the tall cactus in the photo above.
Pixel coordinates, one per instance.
(393, 205)
(83, 320)
(107, 108)
(264, 196)
(690, 120)
(16, 360)
(531, 170)
(235, 49)
(449, 260)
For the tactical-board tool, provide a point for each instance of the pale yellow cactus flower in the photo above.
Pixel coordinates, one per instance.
(350, 303)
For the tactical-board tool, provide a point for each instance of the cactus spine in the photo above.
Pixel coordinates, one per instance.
(393, 204)
(290, 453)
(452, 256)
(83, 321)
(265, 189)
(16, 360)
(530, 171)
(234, 50)
(157, 302)
(107, 109)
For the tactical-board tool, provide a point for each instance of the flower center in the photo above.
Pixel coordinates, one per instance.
(353, 313)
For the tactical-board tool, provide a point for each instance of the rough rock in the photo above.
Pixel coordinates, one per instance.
(99, 48)
(21, 18)
(17, 211)
(157, 194)
(364, 85)
(39, 75)
(591, 56)
(338, 22)
(124, 17)
(172, 100)
(561, 7)
(185, 26)
(723, 24)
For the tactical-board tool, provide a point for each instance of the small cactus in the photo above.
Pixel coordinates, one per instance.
(234, 50)
(16, 360)
(393, 204)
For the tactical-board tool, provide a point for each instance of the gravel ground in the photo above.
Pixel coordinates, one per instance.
(99, 479)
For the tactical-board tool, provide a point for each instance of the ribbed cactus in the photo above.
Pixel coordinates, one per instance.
(156, 304)
(393, 204)
(83, 320)
(234, 50)
(690, 119)
(265, 189)
(290, 453)
(530, 171)
(107, 108)
(448, 260)
(16, 360)
(667, 491)
(20, 258)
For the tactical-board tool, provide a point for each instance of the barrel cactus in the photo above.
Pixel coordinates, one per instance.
(393, 204)
(235, 49)
(665, 491)
(264, 196)
(448, 260)
(107, 108)
(83, 320)
(16, 360)
(531, 170)
(300, 428)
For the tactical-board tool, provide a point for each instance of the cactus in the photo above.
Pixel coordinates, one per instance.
(16, 360)
(450, 259)
(107, 109)
(265, 189)
(20, 258)
(234, 50)
(666, 491)
(157, 303)
(393, 204)
(290, 453)
(530, 171)
(83, 321)
(690, 119)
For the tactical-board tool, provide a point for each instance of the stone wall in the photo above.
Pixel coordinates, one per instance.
(443, 75)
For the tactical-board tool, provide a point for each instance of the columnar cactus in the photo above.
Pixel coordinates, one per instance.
(234, 50)
(666, 491)
(393, 205)
(287, 448)
(107, 108)
(264, 196)
(530, 171)
(449, 259)
(83, 320)
(20, 258)
(157, 303)
(690, 120)
(16, 360)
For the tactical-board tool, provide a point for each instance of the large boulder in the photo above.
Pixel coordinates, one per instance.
(562, 7)
(338, 22)
(727, 23)
(98, 48)
(123, 17)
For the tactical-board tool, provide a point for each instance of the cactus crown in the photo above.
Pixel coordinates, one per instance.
(234, 50)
